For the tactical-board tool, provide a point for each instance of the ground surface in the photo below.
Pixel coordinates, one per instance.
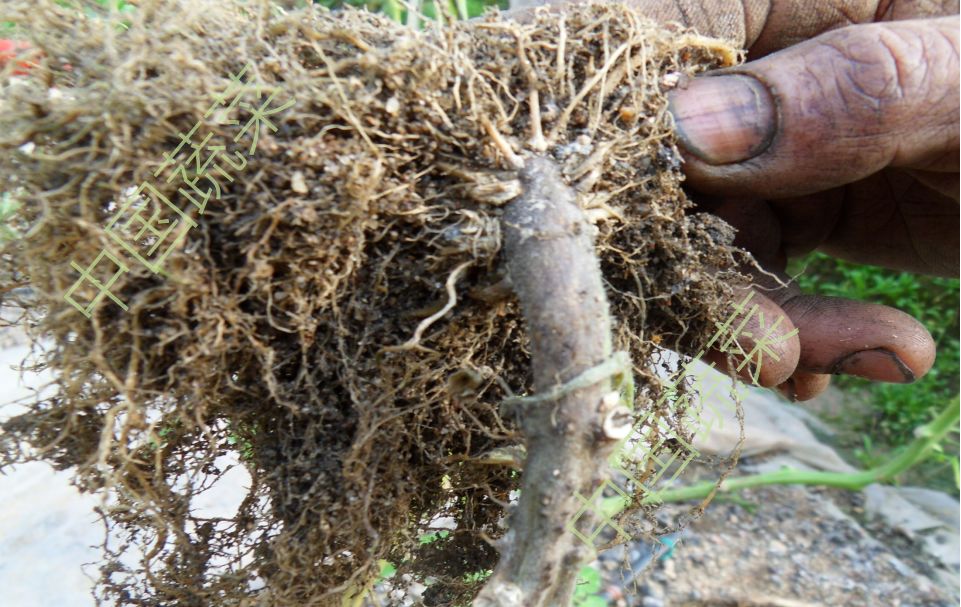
(796, 548)
(799, 546)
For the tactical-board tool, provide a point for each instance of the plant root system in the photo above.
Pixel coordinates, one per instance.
(339, 321)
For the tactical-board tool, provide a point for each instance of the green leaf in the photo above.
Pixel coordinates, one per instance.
(429, 538)
(588, 581)
(387, 570)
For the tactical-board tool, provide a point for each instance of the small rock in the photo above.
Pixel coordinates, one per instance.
(297, 183)
(669, 569)
(901, 568)
(649, 590)
(776, 547)
(670, 80)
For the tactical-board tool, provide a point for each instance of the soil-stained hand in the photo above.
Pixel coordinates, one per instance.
(840, 134)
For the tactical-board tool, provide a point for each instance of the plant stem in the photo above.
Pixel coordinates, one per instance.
(413, 14)
(549, 249)
(927, 437)
(393, 10)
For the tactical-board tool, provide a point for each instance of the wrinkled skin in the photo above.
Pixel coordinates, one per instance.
(839, 134)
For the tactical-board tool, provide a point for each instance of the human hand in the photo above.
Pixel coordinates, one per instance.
(840, 139)
(845, 143)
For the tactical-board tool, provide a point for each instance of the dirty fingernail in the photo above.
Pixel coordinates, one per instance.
(724, 119)
(878, 364)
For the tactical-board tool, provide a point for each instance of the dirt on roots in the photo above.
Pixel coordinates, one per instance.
(337, 316)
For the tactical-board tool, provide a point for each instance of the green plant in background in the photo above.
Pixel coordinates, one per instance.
(477, 576)
(8, 209)
(97, 8)
(239, 440)
(397, 9)
(429, 538)
(587, 592)
(91, 8)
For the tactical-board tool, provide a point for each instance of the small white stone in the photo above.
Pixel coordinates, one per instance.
(392, 106)
(28, 147)
(298, 183)
(670, 80)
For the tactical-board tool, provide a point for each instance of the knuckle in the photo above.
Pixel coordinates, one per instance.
(868, 70)
(879, 65)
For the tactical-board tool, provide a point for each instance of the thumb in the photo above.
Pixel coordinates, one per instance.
(826, 112)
